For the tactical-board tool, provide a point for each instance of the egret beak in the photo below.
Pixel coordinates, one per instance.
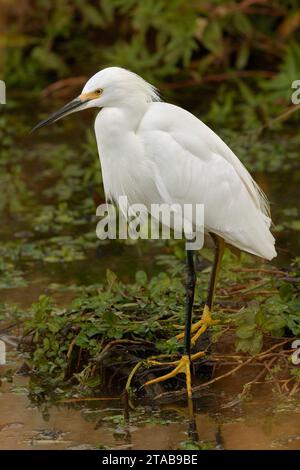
(69, 108)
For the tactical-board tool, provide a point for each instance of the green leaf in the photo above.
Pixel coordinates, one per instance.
(251, 345)
(274, 323)
(111, 278)
(245, 331)
(48, 59)
(212, 37)
(94, 382)
(243, 56)
(141, 278)
(286, 291)
(109, 317)
(295, 224)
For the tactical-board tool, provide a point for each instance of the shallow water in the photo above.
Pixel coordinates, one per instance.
(261, 423)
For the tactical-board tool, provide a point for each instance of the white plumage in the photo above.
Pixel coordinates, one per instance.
(155, 152)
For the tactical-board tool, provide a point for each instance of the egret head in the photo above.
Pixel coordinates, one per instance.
(111, 87)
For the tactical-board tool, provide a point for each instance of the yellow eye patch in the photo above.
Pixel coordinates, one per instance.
(92, 95)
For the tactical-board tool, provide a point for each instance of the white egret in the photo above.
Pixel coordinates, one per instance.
(155, 152)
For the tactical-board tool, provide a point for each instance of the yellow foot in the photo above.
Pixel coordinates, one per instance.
(183, 366)
(201, 326)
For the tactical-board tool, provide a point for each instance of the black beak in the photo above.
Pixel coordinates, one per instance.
(64, 111)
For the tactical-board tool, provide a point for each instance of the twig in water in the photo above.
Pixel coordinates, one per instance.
(75, 400)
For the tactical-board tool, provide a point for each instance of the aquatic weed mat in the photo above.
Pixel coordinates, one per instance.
(103, 341)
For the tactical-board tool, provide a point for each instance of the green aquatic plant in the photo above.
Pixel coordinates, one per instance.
(107, 330)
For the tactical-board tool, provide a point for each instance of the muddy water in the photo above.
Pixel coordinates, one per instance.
(221, 424)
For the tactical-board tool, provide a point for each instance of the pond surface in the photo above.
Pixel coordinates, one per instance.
(222, 421)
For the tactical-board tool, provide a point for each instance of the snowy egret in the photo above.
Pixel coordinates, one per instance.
(155, 152)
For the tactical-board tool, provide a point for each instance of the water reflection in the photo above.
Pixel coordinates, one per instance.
(260, 423)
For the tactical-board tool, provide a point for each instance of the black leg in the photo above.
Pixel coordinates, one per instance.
(183, 366)
(219, 249)
(190, 290)
(201, 326)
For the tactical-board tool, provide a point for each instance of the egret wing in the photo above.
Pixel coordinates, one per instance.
(191, 164)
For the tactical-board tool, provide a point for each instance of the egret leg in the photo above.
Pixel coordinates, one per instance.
(184, 364)
(206, 320)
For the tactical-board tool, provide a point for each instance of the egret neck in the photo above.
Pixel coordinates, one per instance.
(121, 151)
